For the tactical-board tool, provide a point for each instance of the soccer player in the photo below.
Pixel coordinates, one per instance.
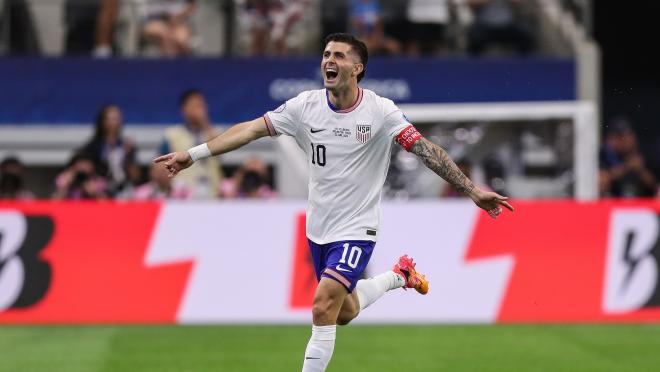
(347, 133)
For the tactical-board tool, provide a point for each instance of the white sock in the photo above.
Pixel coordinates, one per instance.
(320, 348)
(370, 290)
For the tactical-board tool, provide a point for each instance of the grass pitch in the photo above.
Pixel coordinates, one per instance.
(359, 348)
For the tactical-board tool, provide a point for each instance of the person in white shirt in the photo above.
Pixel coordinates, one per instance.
(347, 133)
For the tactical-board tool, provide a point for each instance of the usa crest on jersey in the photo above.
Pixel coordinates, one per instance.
(363, 133)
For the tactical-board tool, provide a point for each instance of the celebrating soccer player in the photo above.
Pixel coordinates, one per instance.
(347, 133)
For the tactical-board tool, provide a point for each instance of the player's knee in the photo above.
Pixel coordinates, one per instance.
(325, 308)
(321, 308)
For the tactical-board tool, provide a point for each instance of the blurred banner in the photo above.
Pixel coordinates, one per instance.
(247, 262)
(70, 91)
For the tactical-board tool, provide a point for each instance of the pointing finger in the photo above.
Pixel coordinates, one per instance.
(500, 197)
(507, 205)
(162, 158)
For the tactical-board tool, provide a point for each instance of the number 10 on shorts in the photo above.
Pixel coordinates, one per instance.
(353, 257)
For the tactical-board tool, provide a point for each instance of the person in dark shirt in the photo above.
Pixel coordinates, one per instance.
(112, 153)
(623, 171)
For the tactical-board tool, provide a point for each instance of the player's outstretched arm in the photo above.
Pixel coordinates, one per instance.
(233, 138)
(437, 160)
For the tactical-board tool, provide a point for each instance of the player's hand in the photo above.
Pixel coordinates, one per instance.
(175, 162)
(491, 202)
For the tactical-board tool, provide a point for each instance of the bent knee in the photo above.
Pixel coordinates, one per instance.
(321, 309)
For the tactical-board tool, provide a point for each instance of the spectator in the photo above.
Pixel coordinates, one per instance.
(90, 26)
(499, 22)
(135, 178)
(113, 154)
(428, 21)
(367, 25)
(166, 24)
(79, 180)
(395, 20)
(203, 178)
(334, 18)
(11, 180)
(271, 22)
(623, 171)
(17, 20)
(249, 181)
(161, 186)
(105, 27)
(80, 22)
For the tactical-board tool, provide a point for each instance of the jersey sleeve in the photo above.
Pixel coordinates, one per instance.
(394, 120)
(398, 126)
(286, 118)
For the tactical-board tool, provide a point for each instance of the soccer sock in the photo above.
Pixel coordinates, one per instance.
(320, 348)
(370, 290)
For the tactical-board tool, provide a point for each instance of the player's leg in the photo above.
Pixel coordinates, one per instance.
(349, 309)
(346, 264)
(338, 266)
(403, 275)
(370, 290)
(328, 299)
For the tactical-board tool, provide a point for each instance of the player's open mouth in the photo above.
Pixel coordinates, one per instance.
(331, 74)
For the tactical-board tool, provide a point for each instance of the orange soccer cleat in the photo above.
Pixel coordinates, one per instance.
(406, 268)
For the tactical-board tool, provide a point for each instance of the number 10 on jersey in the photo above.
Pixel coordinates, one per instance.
(353, 257)
(318, 155)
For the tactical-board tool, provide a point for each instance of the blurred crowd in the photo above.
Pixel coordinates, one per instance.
(106, 167)
(429, 27)
(389, 27)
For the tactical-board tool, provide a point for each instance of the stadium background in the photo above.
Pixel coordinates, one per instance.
(540, 124)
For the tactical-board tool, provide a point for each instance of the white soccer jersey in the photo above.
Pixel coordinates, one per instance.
(348, 152)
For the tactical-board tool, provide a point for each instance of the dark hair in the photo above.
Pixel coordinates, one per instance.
(356, 45)
(99, 131)
(9, 161)
(186, 95)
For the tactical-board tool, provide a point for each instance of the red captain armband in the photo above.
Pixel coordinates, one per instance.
(408, 137)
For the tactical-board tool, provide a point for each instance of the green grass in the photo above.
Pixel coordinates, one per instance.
(359, 348)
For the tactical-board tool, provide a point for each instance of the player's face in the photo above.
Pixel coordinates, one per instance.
(339, 65)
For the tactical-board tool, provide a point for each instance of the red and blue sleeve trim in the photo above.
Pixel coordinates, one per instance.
(269, 126)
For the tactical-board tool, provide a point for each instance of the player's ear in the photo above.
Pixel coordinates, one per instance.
(357, 69)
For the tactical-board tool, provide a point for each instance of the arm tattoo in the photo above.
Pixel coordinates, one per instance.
(437, 160)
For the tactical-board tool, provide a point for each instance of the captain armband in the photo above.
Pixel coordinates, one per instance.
(408, 136)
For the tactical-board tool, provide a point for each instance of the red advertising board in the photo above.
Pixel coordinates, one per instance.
(550, 261)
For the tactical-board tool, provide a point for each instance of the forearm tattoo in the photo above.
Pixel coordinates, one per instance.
(437, 160)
